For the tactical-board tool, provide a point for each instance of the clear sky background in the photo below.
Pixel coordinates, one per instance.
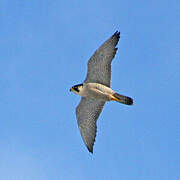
(44, 48)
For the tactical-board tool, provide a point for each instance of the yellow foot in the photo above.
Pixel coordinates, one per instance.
(112, 98)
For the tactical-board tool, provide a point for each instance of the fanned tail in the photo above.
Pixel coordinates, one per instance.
(122, 99)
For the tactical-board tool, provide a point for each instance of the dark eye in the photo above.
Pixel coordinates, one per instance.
(76, 88)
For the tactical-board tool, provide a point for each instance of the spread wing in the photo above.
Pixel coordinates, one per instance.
(99, 65)
(87, 113)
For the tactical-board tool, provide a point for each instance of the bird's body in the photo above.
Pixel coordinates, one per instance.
(96, 90)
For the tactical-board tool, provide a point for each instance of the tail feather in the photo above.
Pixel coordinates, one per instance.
(123, 99)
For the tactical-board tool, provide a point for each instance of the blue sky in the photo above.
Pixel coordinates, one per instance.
(45, 46)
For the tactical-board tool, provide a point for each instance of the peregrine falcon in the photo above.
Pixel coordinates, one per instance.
(96, 90)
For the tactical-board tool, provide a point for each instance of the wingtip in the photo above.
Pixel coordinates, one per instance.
(117, 33)
(90, 150)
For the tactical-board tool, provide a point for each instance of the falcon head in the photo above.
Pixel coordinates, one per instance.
(77, 88)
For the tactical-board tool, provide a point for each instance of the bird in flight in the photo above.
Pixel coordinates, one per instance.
(96, 90)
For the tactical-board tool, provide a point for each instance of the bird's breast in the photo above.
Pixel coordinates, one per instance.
(100, 87)
(98, 91)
